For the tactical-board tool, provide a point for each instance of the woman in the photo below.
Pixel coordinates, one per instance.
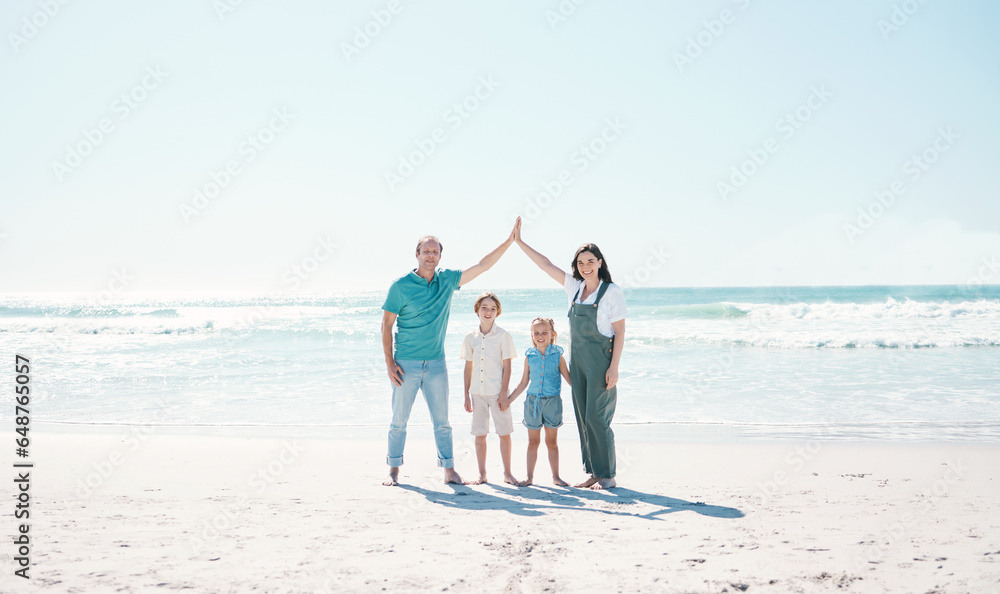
(597, 334)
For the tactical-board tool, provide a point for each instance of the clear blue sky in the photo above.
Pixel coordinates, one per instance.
(691, 90)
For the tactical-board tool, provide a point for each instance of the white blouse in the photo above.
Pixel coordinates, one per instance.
(609, 310)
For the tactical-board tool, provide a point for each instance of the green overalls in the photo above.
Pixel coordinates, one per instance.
(593, 403)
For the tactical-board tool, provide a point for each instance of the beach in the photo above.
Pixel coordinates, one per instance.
(764, 236)
(768, 440)
(142, 508)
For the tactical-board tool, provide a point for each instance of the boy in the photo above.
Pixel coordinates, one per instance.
(488, 351)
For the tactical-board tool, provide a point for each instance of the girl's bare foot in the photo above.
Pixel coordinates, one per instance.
(607, 483)
(510, 480)
(393, 479)
(587, 483)
(525, 483)
(479, 481)
(559, 482)
(450, 476)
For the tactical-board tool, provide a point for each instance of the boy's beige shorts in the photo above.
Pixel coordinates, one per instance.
(485, 406)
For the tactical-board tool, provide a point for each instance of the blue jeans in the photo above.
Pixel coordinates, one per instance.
(431, 378)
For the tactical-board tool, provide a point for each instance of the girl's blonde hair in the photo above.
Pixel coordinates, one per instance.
(552, 326)
(487, 295)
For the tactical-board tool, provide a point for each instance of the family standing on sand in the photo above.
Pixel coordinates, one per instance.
(418, 305)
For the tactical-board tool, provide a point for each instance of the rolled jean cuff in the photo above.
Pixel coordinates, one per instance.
(394, 462)
(446, 463)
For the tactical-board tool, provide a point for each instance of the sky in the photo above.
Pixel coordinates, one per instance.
(262, 147)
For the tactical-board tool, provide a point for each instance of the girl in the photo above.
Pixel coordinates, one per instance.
(543, 364)
(597, 335)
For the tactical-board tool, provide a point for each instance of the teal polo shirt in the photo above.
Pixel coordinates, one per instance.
(422, 310)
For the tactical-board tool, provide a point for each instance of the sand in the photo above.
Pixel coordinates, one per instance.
(141, 509)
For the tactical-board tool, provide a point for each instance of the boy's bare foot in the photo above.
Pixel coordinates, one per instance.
(587, 483)
(525, 483)
(608, 483)
(510, 480)
(393, 479)
(450, 476)
(559, 482)
(479, 481)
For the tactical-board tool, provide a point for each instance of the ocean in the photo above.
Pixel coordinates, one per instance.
(860, 363)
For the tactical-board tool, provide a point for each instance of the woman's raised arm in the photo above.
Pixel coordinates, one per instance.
(544, 263)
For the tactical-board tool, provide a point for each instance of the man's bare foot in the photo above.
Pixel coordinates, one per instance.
(393, 478)
(559, 482)
(450, 476)
(525, 483)
(479, 481)
(608, 483)
(587, 483)
(510, 480)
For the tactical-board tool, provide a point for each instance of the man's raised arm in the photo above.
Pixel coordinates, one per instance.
(486, 263)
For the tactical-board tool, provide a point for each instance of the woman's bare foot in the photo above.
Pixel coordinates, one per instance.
(525, 483)
(510, 480)
(393, 479)
(450, 476)
(587, 483)
(607, 483)
(479, 481)
(559, 482)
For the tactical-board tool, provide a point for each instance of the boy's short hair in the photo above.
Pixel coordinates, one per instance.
(487, 295)
(427, 238)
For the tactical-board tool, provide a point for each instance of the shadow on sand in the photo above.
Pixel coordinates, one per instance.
(534, 500)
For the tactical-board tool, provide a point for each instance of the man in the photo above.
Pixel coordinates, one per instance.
(419, 304)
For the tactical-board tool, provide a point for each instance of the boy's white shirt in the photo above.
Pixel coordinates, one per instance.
(487, 353)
